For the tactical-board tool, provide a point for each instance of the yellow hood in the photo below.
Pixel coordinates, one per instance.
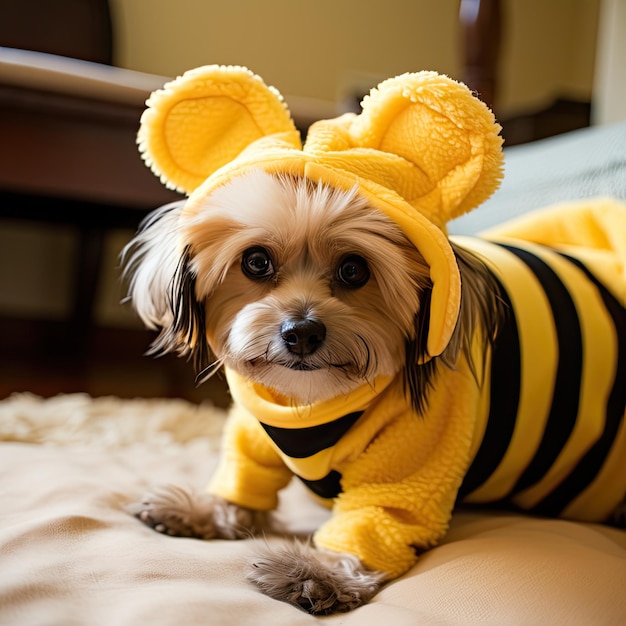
(423, 151)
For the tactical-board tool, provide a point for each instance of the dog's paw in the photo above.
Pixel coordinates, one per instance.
(179, 512)
(318, 582)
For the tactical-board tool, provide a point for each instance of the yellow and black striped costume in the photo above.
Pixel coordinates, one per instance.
(545, 432)
(557, 392)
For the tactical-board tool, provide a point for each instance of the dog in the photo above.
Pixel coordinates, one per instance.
(322, 311)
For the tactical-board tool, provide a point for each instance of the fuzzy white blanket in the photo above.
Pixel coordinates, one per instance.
(71, 555)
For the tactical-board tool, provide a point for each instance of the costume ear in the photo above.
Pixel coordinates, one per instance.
(450, 137)
(204, 119)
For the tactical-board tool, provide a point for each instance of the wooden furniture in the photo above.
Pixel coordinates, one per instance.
(482, 28)
(68, 121)
(68, 155)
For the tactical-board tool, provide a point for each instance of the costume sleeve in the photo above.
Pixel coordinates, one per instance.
(382, 525)
(250, 472)
(386, 525)
(398, 496)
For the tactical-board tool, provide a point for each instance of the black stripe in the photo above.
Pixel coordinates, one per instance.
(503, 403)
(300, 443)
(327, 487)
(565, 397)
(591, 463)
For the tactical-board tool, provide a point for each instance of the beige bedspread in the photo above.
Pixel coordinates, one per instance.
(71, 555)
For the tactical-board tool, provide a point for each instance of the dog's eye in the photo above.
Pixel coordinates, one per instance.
(353, 271)
(256, 262)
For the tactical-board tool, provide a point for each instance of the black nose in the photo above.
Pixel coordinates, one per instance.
(303, 336)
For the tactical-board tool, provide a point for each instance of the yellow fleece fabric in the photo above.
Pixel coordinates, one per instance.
(562, 270)
(423, 151)
(400, 472)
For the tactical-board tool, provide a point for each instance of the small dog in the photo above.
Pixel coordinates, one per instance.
(320, 309)
(305, 290)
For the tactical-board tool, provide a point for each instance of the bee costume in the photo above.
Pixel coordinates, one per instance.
(545, 431)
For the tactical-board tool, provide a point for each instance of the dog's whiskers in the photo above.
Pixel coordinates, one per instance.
(209, 371)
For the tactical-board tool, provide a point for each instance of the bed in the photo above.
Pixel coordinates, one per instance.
(71, 555)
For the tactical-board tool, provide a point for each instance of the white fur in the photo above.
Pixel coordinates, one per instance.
(150, 262)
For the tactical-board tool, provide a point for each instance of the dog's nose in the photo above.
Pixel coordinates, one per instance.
(303, 336)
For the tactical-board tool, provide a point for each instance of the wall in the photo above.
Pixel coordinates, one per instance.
(309, 49)
(610, 78)
(548, 51)
(323, 49)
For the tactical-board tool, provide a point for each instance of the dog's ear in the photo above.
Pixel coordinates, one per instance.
(161, 286)
(204, 119)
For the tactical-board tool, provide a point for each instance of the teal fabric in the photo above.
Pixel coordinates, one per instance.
(580, 164)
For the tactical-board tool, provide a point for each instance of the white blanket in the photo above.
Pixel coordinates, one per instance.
(71, 555)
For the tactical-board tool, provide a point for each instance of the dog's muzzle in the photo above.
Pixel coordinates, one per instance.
(303, 336)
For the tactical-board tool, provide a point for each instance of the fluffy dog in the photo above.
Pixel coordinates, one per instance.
(353, 363)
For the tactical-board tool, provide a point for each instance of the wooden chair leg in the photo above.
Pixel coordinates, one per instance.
(481, 27)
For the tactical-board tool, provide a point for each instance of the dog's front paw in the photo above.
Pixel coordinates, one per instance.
(178, 512)
(320, 583)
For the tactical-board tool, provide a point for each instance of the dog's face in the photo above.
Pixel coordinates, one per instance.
(305, 289)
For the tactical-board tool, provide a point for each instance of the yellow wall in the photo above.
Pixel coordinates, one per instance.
(323, 49)
(311, 49)
(548, 51)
